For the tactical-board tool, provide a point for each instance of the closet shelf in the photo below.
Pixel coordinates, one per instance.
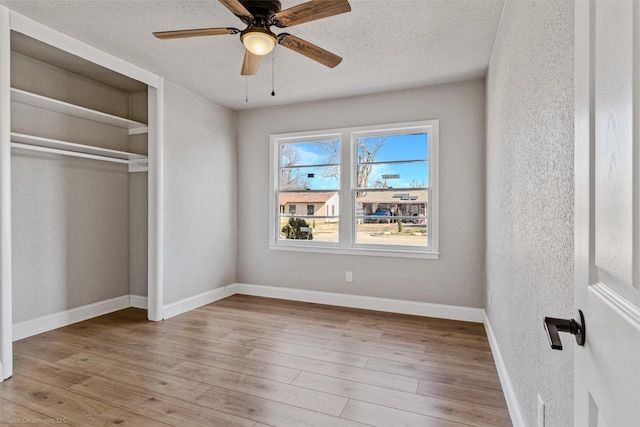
(136, 162)
(35, 100)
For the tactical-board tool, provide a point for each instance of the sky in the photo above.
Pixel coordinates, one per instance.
(394, 148)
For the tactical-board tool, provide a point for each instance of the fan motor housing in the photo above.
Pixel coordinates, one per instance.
(262, 8)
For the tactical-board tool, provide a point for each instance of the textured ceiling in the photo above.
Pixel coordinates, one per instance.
(386, 45)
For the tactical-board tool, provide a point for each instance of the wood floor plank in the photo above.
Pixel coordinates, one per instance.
(47, 372)
(159, 329)
(382, 416)
(207, 317)
(156, 406)
(259, 362)
(62, 404)
(260, 387)
(367, 376)
(286, 312)
(357, 338)
(400, 355)
(14, 414)
(470, 376)
(298, 350)
(484, 397)
(465, 413)
(268, 411)
(284, 335)
(334, 333)
(256, 368)
(382, 342)
(43, 349)
(149, 379)
(206, 343)
(438, 360)
(124, 319)
(275, 317)
(114, 349)
(88, 362)
(222, 329)
(156, 382)
(425, 328)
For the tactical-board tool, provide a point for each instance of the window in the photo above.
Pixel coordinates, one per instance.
(369, 190)
(308, 174)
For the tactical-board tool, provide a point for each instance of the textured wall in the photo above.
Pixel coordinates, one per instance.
(199, 195)
(530, 200)
(457, 278)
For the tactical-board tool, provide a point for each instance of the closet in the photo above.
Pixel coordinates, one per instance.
(84, 145)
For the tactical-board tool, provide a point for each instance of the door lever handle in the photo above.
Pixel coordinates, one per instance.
(553, 326)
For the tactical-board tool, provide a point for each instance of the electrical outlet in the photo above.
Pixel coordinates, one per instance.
(349, 277)
(540, 412)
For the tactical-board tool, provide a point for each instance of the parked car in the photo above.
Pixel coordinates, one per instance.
(385, 215)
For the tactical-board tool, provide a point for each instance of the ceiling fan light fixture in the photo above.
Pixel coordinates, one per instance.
(259, 41)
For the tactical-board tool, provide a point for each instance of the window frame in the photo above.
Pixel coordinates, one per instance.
(347, 138)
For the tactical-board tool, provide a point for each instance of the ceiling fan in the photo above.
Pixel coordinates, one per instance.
(259, 40)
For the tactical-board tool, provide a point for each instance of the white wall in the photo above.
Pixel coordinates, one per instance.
(530, 200)
(199, 195)
(70, 233)
(457, 278)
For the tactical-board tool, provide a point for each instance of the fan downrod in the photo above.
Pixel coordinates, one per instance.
(262, 9)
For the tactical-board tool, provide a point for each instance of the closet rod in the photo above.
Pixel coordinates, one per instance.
(74, 154)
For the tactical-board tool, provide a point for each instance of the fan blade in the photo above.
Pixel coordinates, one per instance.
(309, 50)
(310, 11)
(237, 8)
(251, 64)
(164, 35)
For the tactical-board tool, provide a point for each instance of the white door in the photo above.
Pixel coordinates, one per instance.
(607, 264)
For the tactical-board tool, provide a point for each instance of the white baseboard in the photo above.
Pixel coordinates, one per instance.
(507, 388)
(468, 314)
(64, 318)
(136, 301)
(188, 304)
(67, 317)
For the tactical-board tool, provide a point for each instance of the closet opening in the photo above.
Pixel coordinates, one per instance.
(79, 187)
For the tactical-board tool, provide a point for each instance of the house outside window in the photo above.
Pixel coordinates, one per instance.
(368, 190)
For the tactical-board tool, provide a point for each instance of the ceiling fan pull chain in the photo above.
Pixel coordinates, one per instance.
(273, 73)
(246, 99)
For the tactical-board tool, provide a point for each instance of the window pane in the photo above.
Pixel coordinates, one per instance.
(394, 175)
(310, 178)
(309, 228)
(307, 203)
(310, 153)
(399, 233)
(394, 147)
(392, 217)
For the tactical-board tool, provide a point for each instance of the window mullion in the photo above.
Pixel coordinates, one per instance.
(345, 213)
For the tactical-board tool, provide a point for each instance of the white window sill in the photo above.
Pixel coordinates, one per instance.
(389, 253)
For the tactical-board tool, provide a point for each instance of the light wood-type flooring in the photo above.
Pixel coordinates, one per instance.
(250, 361)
